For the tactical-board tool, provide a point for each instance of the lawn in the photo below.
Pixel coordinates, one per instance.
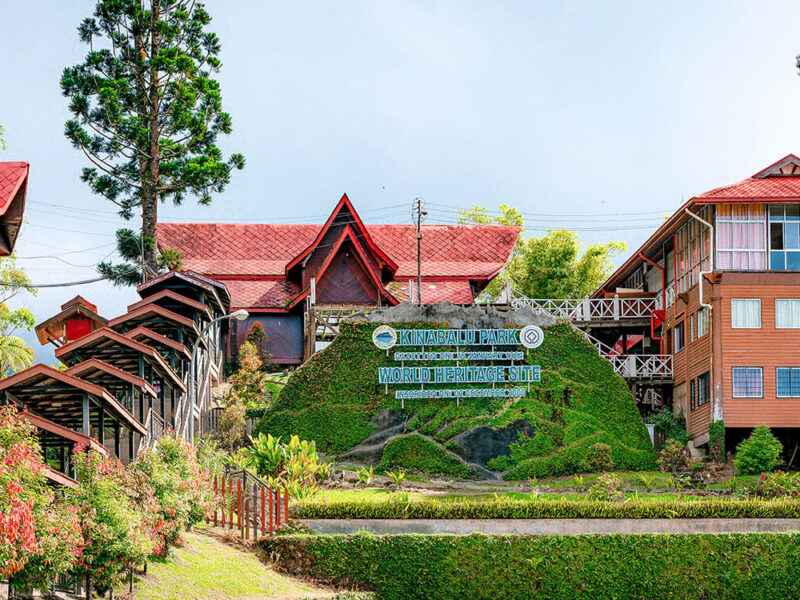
(207, 568)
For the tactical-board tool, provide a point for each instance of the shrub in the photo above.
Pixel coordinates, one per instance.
(606, 489)
(295, 465)
(670, 425)
(520, 567)
(716, 441)
(397, 477)
(674, 458)
(40, 537)
(417, 453)
(758, 453)
(229, 433)
(250, 386)
(598, 458)
(778, 485)
(366, 476)
(548, 509)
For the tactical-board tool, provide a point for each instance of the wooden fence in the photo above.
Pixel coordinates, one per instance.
(249, 505)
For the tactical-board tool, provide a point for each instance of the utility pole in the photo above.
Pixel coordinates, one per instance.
(419, 213)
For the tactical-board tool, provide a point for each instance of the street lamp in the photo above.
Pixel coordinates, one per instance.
(239, 315)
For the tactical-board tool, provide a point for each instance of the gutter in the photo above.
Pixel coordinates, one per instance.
(716, 408)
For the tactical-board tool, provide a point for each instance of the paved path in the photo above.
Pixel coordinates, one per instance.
(552, 526)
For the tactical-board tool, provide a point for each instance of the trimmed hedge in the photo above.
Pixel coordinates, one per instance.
(548, 509)
(418, 453)
(622, 567)
(579, 402)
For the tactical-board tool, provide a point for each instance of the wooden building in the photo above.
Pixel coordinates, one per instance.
(723, 278)
(13, 187)
(299, 280)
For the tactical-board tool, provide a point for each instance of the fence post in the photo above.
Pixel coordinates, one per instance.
(286, 505)
(216, 497)
(587, 310)
(239, 504)
(278, 509)
(616, 307)
(270, 511)
(263, 523)
(222, 507)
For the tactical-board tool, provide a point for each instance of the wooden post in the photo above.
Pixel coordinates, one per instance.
(270, 512)
(239, 502)
(216, 496)
(277, 509)
(263, 523)
(223, 502)
(286, 505)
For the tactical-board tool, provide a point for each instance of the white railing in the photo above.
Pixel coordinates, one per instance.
(587, 309)
(155, 427)
(635, 366)
(669, 298)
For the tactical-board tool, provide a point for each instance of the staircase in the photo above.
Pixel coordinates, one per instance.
(156, 427)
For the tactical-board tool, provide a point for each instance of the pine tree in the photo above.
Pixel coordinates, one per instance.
(146, 113)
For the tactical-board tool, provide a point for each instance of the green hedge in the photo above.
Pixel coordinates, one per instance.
(735, 566)
(579, 401)
(417, 453)
(548, 509)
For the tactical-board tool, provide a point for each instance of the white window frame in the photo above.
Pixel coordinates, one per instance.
(733, 385)
(702, 317)
(776, 313)
(760, 315)
(777, 393)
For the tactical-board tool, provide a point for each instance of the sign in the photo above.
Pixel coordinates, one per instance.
(385, 337)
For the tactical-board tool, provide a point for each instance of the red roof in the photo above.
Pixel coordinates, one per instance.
(252, 259)
(778, 182)
(12, 178)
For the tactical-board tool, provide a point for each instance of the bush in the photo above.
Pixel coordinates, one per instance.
(40, 537)
(670, 425)
(606, 489)
(547, 509)
(512, 567)
(417, 453)
(599, 458)
(295, 465)
(758, 453)
(674, 458)
(716, 441)
(778, 485)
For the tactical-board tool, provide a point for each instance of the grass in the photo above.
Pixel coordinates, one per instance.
(206, 568)
(359, 494)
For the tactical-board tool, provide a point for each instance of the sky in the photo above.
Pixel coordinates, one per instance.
(597, 116)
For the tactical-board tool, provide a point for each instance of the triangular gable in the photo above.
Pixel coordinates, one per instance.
(347, 235)
(344, 205)
(788, 166)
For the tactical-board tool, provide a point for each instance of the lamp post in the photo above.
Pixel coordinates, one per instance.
(239, 315)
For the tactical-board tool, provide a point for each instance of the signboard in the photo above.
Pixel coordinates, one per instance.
(415, 340)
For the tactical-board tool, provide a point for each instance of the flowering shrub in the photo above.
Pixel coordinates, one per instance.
(173, 484)
(606, 489)
(758, 453)
(778, 485)
(39, 537)
(118, 529)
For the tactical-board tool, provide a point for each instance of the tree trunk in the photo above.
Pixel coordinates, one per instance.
(151, 174)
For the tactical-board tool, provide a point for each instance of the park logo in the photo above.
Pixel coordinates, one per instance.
(531, 336)
(384, 337)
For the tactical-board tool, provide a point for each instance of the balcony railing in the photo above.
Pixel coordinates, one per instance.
(635, 366)
(588, 309)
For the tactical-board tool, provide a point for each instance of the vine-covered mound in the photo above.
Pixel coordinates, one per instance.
(335, 399)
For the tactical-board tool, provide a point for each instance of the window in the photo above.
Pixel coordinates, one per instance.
(787, 313)
(745, 313)
(677, 335)
(692, 251)
(740, 237)
(691, 327)
(784, 237)
(788, 382)
(703, 389)
(748, 382)
(702, 322)
(692, 394)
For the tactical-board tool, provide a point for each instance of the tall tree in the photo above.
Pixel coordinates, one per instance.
(555, 265)
(146, 113)
(2, 139)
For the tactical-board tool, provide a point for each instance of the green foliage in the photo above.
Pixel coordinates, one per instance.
(674, 458)
(15, 354)
(599, 458)
(397, 477)
(417, 453)
(716, 441)
(580, 401)
(606, 489)
(295, 465)
(365, 476)
(603, 567)
(549, 509)
(146, 112)
(249, 384)
(670, 425)
(758, 453)
(778, 485)
(3, 145)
